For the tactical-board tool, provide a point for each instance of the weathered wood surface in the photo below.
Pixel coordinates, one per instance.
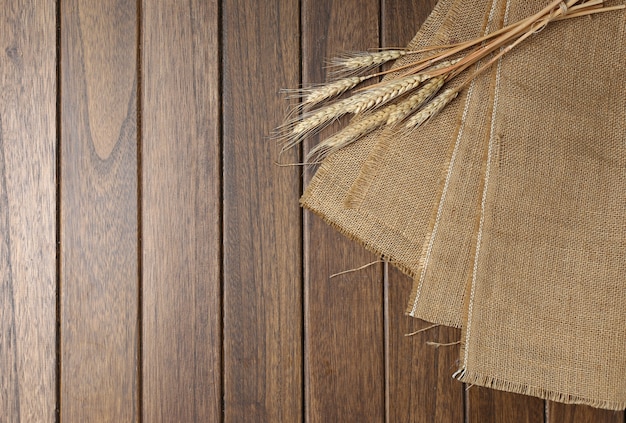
(186, 283)
(180, 211)
(98, 212)
(27, 211)
(262, 237)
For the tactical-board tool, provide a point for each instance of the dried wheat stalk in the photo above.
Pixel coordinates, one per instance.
(416, 84)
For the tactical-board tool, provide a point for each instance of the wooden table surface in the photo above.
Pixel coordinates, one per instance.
(154, 263)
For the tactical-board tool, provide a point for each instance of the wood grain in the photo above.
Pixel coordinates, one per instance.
(262, 241)
(27, 211)
(401, 19)
(181, 212)
(419, 383)
(344, 340)
(489, 405)
(563, 413)
(9, 356)
(98, 222)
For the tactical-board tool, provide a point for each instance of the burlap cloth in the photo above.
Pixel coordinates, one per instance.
(509, 208)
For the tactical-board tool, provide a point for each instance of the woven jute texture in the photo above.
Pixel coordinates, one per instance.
(509, 208)
(545, 313)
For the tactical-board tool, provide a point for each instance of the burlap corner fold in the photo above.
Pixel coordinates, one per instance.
(545, 313)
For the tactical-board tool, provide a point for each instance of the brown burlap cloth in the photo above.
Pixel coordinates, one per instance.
(509, 208)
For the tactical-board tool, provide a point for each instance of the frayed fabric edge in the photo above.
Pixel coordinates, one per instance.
(486, 381)
(306, 204)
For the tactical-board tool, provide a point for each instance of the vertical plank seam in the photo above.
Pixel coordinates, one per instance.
(57, 229)
(303, 233)
(139, 141)
(387, 338)
(303, 357)
(466, 403)
(220, 225)
(384, 267)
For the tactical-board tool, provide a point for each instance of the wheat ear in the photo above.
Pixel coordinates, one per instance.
(363, 61)
(350, 133)
(314, 95)
(386, 91)
(358, 103)
(432, 108)
(314, 121)
(414, 102)
(375, 97)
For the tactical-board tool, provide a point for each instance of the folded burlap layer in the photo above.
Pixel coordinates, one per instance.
(545, 314)
(509, 208)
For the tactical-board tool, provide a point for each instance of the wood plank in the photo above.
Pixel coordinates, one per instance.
(344, 341)
(181, 211)
(489, 405)
(261, 217)
(419, 383)
(402, 19)
(27, 211)
(563, 413)
(344, 331)
(98, 222)
(10, 383)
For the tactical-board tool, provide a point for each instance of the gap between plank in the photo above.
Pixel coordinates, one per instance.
(57, 231)
(139, 141)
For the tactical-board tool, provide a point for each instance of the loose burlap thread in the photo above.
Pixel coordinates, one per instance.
(509, 209)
